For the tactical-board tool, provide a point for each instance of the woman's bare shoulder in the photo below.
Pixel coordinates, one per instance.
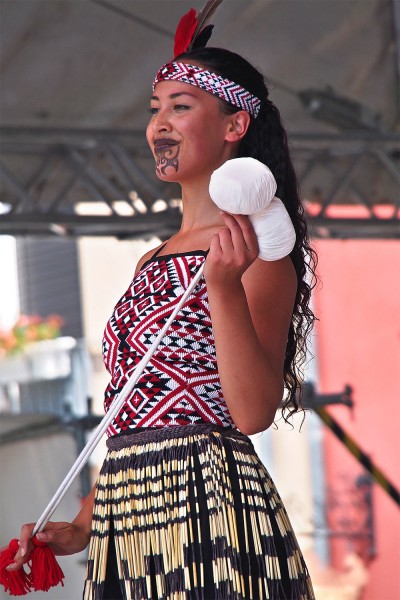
(146, 257)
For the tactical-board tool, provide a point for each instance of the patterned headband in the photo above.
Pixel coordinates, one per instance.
(210, 82)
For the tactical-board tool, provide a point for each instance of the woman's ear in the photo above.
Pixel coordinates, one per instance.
(238, 124)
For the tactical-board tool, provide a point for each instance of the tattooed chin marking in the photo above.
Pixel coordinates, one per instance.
(167, 158)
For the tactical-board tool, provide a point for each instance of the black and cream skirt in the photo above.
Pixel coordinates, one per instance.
(190, 513)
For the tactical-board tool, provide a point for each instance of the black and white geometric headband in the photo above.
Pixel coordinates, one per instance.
(210, 82)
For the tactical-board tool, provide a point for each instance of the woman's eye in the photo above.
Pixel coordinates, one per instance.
(153, 110)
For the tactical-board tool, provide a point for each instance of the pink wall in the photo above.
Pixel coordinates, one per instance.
(358, 342)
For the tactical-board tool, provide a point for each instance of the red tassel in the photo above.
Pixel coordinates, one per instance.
(45, 570)
(184, 32)
(17, 583)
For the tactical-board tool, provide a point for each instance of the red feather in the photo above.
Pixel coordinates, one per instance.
(184, 32)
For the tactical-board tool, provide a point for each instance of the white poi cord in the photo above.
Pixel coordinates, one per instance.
(114, 409)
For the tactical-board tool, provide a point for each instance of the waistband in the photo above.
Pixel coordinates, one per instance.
(153, 434)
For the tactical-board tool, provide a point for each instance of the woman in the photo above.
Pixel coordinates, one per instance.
(183, 508)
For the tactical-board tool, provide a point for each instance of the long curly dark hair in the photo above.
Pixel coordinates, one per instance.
(266, 140)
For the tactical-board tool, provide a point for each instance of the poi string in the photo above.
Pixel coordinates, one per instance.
(112, 412)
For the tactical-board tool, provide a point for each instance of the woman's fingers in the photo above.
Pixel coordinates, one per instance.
(232, 250)
(237, 240)
(64, 538)
(58, 535)
(25, 548)
(24, 538)
(225, 241)
(52, 531)
(21, 557)
(242, 233)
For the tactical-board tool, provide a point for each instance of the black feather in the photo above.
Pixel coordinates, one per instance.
(203, 37)
(203, 17)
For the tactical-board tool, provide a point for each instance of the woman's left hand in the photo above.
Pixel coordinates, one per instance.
(232, 250)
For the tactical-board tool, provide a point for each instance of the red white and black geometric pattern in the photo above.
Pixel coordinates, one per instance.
(180, 385)
(210, 82)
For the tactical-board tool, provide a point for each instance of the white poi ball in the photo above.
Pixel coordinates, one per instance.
(246, 186)
(242, 186)
(274, 229)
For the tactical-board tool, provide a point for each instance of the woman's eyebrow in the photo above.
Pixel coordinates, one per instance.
(176, 95)
(182, 94)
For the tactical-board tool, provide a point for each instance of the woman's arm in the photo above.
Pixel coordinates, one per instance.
(64, 538)
(251, 304)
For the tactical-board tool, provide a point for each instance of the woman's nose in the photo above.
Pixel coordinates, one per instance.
(161, 122)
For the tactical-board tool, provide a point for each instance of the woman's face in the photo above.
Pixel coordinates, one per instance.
(186, 132)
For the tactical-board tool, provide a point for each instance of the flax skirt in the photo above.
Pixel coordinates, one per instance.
(190, 513)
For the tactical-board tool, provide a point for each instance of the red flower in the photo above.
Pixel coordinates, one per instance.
(184, 32)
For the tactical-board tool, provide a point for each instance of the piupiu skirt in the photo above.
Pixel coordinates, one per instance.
(190, 513)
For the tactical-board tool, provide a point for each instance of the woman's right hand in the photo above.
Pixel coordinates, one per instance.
(63, 538)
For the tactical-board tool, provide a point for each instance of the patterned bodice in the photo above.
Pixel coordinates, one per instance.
(180, 385)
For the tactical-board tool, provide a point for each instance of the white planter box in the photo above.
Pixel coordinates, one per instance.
(48, 359)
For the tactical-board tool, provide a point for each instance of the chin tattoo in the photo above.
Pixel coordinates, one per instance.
(166, 159)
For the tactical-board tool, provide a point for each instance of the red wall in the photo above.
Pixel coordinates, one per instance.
(358, 342)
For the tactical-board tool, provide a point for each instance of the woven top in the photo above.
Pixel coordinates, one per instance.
(181, 384)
